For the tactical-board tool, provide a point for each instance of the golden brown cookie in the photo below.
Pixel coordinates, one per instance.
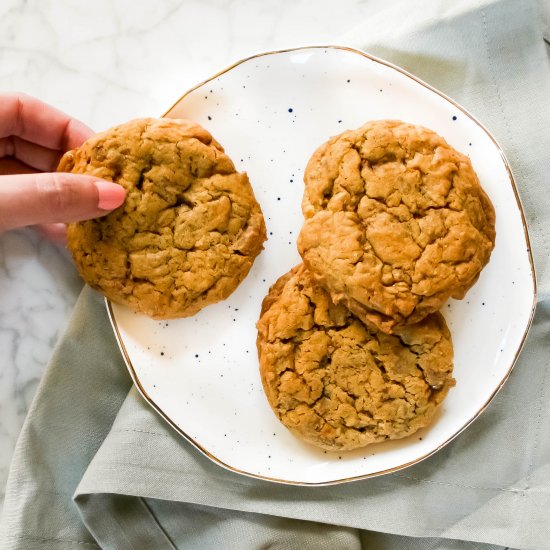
(396, 222)
(190, 227)
(339, 384)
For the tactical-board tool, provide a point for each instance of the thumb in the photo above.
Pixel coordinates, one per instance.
(28, 199)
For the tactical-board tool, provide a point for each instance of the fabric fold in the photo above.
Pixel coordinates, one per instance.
(76, 402)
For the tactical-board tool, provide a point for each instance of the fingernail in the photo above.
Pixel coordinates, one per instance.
(110, 195)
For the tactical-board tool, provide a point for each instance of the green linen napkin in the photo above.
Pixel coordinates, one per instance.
(96, 467)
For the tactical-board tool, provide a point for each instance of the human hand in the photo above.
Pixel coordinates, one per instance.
(33, 137)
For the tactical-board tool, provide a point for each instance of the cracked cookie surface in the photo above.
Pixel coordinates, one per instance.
(189, 229)
(396, 222)
(339, 384)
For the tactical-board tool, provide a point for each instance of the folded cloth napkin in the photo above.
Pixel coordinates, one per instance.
(96, 467)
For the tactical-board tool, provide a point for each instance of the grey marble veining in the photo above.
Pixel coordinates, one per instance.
(38, 287)
(105, 62)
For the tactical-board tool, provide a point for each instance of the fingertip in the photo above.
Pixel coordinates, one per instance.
(76, 134)
(56, 232)
(109, 195)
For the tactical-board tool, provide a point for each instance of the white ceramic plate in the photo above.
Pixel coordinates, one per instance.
(271, 112)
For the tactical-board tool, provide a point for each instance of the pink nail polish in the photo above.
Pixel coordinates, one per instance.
(110, 195)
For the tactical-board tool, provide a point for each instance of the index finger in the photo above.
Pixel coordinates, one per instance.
(30, 119)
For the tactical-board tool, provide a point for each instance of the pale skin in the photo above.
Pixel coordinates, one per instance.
(33, 137)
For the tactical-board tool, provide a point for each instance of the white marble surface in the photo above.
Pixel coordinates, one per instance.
(106, 62)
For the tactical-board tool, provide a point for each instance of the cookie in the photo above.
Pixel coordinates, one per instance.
(190, 227)
(340, 384)
(396, 222)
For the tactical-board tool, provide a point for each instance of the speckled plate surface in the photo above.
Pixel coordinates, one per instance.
(270, 112)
